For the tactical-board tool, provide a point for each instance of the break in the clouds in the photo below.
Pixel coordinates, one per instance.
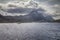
(51, 6)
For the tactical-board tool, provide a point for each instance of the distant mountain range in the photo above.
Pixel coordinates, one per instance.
(35, 15)
(31, 9)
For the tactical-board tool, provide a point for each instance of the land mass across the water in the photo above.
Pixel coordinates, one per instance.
(26, 18)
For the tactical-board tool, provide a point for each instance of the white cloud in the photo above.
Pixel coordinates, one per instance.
(50, 9)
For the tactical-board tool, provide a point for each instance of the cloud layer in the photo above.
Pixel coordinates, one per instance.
(51, 6)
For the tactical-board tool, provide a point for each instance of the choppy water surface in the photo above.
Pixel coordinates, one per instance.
(30, 31)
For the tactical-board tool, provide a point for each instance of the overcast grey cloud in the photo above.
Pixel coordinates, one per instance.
(51, 6)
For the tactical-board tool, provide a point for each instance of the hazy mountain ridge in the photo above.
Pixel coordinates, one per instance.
(35, 15)
(30, 10)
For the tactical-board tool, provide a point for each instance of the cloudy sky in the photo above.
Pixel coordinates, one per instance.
(52, 6)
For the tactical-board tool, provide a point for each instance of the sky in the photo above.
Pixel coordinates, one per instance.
(52, 6)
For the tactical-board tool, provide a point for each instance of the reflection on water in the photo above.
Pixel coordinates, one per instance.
(30, 31)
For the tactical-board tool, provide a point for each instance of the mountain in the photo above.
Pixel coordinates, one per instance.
(31, 9)
(40, 15)
(35, 15)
